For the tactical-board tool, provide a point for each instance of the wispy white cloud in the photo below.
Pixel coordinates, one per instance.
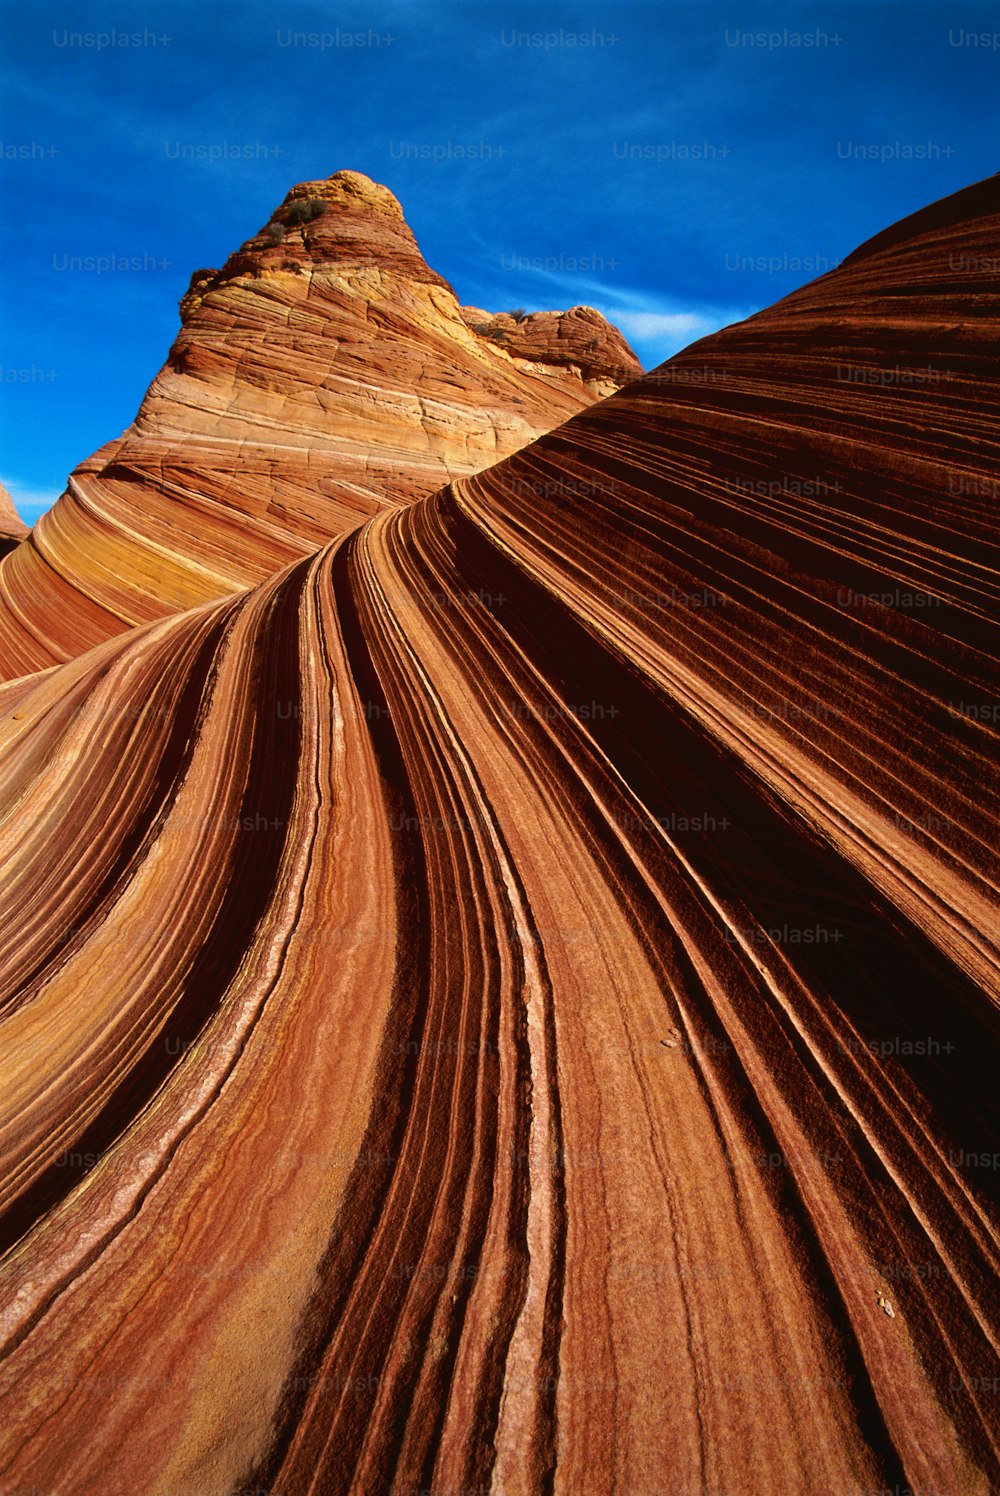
(658, 324)
(658, 327)
(29, 501)
(663, 324)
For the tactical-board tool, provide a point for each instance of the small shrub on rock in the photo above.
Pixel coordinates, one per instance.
(305, 211)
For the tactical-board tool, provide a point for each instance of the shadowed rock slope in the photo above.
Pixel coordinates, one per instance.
(511, 1003)
(324, 373)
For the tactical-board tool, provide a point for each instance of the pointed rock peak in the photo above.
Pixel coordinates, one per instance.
(345, 221)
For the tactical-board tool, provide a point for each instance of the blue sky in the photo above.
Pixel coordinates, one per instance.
(675, 163)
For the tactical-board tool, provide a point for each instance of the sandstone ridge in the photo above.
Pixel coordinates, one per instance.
(510, 1003)
(324, 372)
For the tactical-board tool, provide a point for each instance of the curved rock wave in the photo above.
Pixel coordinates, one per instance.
(510, 1002)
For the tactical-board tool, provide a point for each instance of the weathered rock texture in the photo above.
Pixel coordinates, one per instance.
(12, 527)
(511, 1003)
(579, 341)
(325, 372)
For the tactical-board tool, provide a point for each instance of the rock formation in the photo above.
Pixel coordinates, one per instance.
(579, 341)
(510, 1003)
(12, 527)
(323, 373)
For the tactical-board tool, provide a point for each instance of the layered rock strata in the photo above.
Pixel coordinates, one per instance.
(510, 1003)
(12, 527)
(323, 373)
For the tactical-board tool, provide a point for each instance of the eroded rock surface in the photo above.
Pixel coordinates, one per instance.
(323, 373)
(12, 526)
(510, 1003)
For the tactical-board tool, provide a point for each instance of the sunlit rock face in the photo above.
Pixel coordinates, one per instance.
(12, 527)
(323, 373)
(509, 1003)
